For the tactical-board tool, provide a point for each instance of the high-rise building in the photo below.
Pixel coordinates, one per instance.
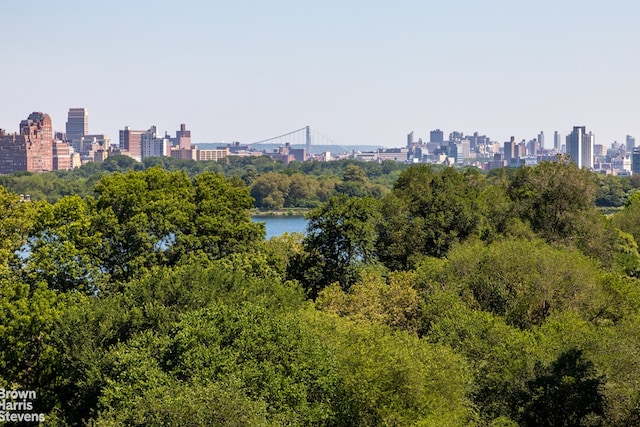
(410, 140)
(635, 161)
(456, 136)
(533, 147)
(31, 149)
(77, 123)
(509, 151)
(181, 146)
(62, 154)
(540, 141)
(580, 147)
(154, 146)
(630, 143)
(557, 141)
(183, 138)
(131, 141)
(436, 136)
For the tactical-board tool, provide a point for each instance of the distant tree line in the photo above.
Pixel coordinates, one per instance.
(274, 185)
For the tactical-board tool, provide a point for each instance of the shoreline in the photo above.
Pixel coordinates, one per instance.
(283, 212)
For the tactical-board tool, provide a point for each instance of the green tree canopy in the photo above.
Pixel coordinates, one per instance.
(427, 213)
(340, 238)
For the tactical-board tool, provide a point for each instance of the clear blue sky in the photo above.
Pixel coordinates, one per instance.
(365, 72)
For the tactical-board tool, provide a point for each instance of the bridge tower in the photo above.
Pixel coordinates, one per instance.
(308, 139)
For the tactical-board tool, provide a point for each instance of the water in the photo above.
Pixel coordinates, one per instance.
(276, 225)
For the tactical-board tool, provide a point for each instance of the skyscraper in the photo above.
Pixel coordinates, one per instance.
(508, 151)
(131, 141)
(540, 141)
(630, 143)
(410, 140)
(580, 147)
(635, 161)
(557, 141)
(77, 123)
(436, 136)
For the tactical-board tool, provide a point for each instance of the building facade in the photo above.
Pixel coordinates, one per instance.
(557, 141)
(437, 136)
(62, 156)
(30, 150)
(181, 147)
(154, 146)
(635, 161)
(131, 142)
(580, 147)
(77, 123)
(630, 143)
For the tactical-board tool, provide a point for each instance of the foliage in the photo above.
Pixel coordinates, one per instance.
(613, 190)
(272, 366)
(395, 378)
(628, 219)
(64, 249)
(279, 190)
(393, 302)
(495, 278)
(16, 219)
(340, 238)
(426, 214)
(568, 393)
(552, 196)
(151, 298)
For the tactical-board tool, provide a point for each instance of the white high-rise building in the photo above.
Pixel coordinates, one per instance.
(153, 146)
(580, 147)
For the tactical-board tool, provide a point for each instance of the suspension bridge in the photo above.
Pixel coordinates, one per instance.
(305, 137)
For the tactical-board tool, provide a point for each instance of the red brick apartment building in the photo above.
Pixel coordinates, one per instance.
(31, 149)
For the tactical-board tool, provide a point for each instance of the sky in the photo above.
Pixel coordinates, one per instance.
(357, 72)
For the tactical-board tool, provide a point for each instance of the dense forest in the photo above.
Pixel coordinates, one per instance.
(143, 294)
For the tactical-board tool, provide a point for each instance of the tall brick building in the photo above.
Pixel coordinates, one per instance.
(31, 149)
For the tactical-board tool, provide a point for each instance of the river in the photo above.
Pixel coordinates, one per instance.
(277, 225)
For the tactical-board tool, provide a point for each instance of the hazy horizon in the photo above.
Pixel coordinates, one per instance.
(357, 72)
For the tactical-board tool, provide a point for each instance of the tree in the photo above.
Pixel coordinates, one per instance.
(222, 221)
(393, 378)
(64, 252)
(393, 302)
(141, 216)
(566, 394)
(270, 190)
(612, 190)
(552, 197)
(16, 219)
(139, 220)
(340, 238)
(259, 365)
(302, 191)
(628, 219)
(524, 281)
(426, 214)
(354, 183)
(29, 354)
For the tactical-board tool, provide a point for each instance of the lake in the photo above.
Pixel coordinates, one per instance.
(277, 225)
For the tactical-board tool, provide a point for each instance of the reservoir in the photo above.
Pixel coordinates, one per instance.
(276, 225)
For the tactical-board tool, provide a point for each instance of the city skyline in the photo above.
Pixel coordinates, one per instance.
(360, 73)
